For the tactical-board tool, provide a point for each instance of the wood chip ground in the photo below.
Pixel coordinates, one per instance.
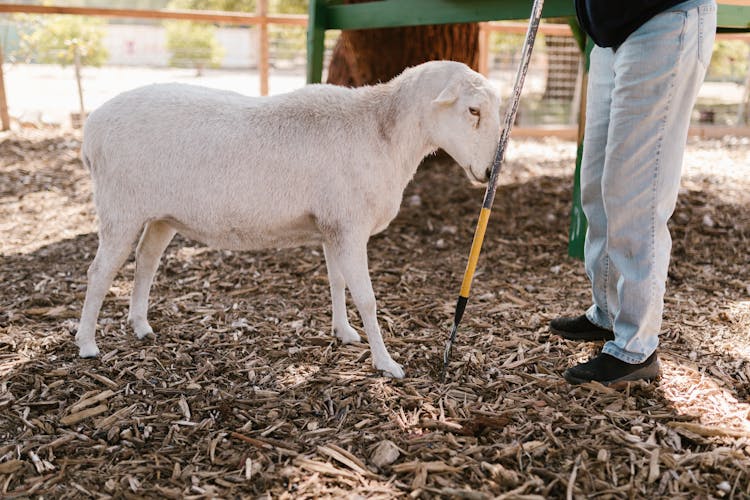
(244, 393)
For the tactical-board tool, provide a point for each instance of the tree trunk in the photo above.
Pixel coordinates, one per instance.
(367, 57)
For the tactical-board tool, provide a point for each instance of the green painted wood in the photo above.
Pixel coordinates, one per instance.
(733, 17)
(578, 34)
(393, 13)
(578, 223)
(316, 35)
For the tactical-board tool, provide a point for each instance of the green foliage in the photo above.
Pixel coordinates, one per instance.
(288, 6)
(505, 42)
(729, 60)
(54, 39)
(274, 6)
(116, 4)
(193, 45)
(228, 5)
(511, 44)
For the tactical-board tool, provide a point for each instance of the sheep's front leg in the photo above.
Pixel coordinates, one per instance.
(350, 257)
(341, 327)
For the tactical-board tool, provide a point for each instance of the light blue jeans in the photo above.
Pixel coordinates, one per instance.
(639, 101)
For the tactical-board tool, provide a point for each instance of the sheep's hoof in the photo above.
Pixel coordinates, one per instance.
(391, 369)
(347, 335)
(141, 328)
(88, 350)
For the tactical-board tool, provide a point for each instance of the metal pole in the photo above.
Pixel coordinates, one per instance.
(489, 197)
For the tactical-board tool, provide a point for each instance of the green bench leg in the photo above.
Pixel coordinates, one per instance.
(577, 233)
(316, 34)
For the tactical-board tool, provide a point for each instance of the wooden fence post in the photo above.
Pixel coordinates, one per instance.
(484, 49)
(77, 65)
(262, 12)
(4, 118)
(742, 117)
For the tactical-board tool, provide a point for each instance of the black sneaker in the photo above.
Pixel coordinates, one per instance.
(579, 328)
(608, 370)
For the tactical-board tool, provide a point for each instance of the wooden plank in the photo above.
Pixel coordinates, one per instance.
(187, 15)
(519, 28)
(393, 13)
(741, 3)
(733, 17)
(484, 49)
(4, 117)
(263, 63)
(316, 34)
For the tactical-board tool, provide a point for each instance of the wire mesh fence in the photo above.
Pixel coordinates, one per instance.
(117, 54)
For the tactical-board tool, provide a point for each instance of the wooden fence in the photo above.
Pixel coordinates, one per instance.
(261, 18)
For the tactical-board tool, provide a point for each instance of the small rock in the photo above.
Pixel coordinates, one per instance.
(708, 221)
(385, 454)
(724, 486)
(415, 201)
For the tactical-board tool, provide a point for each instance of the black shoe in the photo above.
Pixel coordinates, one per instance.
(608, 370)
(579, 328)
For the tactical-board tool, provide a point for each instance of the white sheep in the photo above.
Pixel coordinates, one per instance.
(323, 164)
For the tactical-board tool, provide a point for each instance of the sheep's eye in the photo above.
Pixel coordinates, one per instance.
(474, 111)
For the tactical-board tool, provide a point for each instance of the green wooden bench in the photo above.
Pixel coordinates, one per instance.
(733, 16)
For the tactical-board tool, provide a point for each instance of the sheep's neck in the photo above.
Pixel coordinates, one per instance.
(401, 129)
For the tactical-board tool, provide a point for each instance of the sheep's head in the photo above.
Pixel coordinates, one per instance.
(465, 122)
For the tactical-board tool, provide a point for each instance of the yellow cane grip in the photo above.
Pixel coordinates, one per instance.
(476, 247)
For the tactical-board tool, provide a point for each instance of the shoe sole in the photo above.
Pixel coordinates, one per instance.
(647, 374)
(587, 336)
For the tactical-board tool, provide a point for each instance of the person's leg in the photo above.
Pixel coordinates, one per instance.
(598, 101)
(658, 72)
(596, 324)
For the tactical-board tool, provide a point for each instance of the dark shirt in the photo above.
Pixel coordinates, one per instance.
(610, 22)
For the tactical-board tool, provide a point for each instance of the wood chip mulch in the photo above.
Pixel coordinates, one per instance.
(245, 393)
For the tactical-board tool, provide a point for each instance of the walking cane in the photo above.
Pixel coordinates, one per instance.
(489, 196)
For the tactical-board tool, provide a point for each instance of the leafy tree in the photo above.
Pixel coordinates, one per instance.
(729, 60)
(193, 45)
(65, 40)
(56, 39)
(227, 5)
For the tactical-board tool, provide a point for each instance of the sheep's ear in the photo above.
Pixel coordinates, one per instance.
(447, 97)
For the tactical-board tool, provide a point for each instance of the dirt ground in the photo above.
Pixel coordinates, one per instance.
(245, 393)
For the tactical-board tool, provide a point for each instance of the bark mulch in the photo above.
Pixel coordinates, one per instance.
(245, 393)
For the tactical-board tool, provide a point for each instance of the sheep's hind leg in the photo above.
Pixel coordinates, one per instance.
(112, 252)
(154, 240)
(341, 327)
(351, 260)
